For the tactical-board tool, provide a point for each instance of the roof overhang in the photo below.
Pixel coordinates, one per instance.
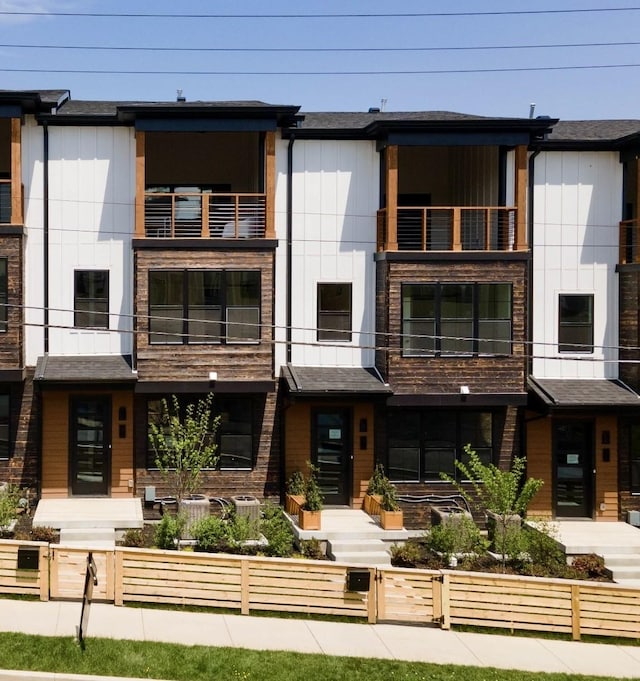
(580, 394)
(459, 400)
(334, 382)
(66, 371)
(225, 387)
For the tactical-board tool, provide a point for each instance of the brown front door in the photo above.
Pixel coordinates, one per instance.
(90, 445)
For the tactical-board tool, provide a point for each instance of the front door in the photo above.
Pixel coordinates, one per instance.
(573, 456)
(331, 441)
(90, 445)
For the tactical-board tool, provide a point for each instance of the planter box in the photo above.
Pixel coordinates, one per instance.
(309, 520)
(391, 520)
(371, 504)
(292, 503)
(499, 527)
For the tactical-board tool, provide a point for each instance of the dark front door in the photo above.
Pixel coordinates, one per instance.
(331, 439)
(573, 456)
(90, 445)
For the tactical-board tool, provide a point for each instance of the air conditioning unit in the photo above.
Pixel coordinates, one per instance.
(246, 505)
(633, 518)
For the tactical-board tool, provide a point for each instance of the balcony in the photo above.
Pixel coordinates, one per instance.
(5, 201)
(204, 215)
(630, 242)
(449, 228)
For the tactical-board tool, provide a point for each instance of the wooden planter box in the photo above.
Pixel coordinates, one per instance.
(292, 503)
(391, 520)
(309, 520)
(371, 504)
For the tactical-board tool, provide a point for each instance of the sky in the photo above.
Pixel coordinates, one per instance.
(314, 62)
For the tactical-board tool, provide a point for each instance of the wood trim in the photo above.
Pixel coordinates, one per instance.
(140, 184)
(391, 190)
(17, 217)
(270, 184)
(521, 198)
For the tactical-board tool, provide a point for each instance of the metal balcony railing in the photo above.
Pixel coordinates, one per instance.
(195, 215)
(451, 228)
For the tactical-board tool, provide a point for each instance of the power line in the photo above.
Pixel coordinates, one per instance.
(373, 72)
(467, 48)
(327, 15)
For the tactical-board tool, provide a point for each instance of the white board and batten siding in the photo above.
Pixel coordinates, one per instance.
(91, 223)
(577, 210)
(335, 199)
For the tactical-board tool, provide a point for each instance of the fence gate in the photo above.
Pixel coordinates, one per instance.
(68, 567)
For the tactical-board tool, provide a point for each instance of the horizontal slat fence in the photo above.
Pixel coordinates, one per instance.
(30, 582)
(247, 583)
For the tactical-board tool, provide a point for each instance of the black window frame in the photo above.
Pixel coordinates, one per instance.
(85, 315)
(441, 343)
(570, 345)
(4, 294)
(233, 432)
(5, 426)
(325, 331)
(426, 450)
(634, 458)
(222, 295)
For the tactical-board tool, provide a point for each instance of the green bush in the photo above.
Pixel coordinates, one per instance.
(133, 538)
(169, 531)
(278, 532)
(590, 565)
(295, 484)
(213, 534)
(460, 536)
(242, 528)
(312, 549)
(408, 554)
(9, 501)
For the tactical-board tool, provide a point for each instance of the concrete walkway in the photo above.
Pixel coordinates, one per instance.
(388, 641)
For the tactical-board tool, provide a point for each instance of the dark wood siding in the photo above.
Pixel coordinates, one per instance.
(194, 362)
(629, 324)
(11, 341)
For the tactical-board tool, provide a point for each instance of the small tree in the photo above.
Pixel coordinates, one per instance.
(183, 442)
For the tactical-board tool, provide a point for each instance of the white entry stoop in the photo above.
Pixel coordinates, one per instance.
(624, 565)
(366, 551)
(93, 538)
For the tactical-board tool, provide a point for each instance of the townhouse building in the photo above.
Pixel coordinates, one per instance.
(353, 288)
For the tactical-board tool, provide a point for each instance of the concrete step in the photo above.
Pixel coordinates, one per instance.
(356, 545)
(624, 559)
(625, 573)
(91, 538)
(370, 558)
(361, 551)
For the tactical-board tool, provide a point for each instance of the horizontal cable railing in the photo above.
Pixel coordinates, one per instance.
(204, 215)
(451, 228)
(630, 242)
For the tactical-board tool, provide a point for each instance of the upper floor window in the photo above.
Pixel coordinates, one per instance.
(424, 444)
(456, 319)
(4, 295)
(4, 426)
(204, 306)
(91, 299)
(575, 323)
(334, 312)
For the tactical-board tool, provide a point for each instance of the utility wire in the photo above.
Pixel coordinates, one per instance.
(324, 15)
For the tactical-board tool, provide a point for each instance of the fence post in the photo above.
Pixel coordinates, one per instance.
(118, 577)
(446, 603)
(244, 586)
(436, 596)
(372, 596)
(575, 612)
(43, 562)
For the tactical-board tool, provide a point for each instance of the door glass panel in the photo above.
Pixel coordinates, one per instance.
(573, 458)
(90, 446)
(332, 456)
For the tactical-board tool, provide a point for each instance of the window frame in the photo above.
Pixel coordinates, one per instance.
(425, 445)
(5, 421)
(4, 295)
(438, 340)
(93, 300)
(571, 346)
(326, 333)
(186, 336)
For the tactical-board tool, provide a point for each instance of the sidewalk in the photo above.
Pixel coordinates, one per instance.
(400, 642)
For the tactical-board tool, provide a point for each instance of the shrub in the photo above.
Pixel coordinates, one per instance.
(408, 554)
(295, 484)
(169, 531)
(590, 565)
(133, 538)
(378, 481)
(461, 536)
(278, 532)
(9, 501)
(212, 534)
(312, 549)
(45, 534)
(313, 498)
(242, 528)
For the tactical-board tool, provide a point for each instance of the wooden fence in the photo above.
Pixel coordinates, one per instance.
(438, 597)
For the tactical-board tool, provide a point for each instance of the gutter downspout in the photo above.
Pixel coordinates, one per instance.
(45, 252)
(292, 140)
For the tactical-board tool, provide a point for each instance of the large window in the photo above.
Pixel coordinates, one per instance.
(456, 319)
(204, 306)
(91, 299)
(634, 458)
(575, 323)
(4, 296)
(424, 444)
(334, 312)
(234, 435)
(4, 426)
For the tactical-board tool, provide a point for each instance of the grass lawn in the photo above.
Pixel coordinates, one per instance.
(192, 663)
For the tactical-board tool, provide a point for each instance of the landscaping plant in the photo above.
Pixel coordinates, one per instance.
(313, 498)
(183, 442)
(454, 538)
(9, 502)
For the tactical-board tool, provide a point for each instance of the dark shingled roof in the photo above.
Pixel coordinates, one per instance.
(576, 392)
(333, 381)
(359, 119)
(87, 368)
(594, 131)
